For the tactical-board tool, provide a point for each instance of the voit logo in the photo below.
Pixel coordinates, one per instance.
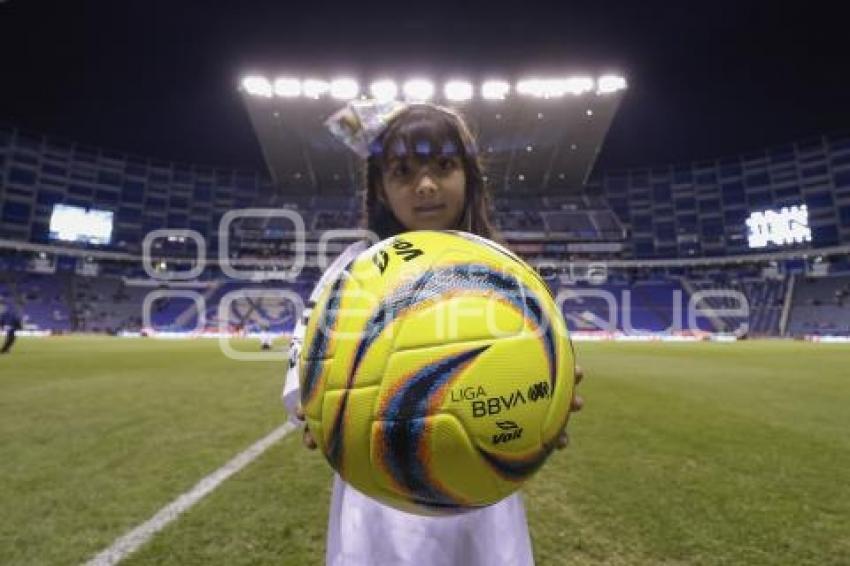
(510, 432)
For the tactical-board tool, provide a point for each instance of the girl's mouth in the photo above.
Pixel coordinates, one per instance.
(428, 209)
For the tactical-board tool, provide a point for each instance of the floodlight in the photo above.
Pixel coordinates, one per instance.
(256, 85)
(610, 83)
(344, 89)
(540, 88)
(578, 85)
(384, 90)
(314, 88)
(458, 91)
(554, 88)
(418, 89)
(287, 87)
(495, 90)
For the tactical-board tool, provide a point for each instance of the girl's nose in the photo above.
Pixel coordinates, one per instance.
(427, 185)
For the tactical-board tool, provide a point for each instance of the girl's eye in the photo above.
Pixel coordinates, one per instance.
(400, 170)
(446, 163)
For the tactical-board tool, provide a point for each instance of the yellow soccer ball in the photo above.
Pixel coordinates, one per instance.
(436, 372)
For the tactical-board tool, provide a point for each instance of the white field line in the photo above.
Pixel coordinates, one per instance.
(135, 538)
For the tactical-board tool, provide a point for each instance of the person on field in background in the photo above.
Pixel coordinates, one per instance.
(10, 323)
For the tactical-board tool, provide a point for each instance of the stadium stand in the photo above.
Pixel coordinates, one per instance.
(764, 297)
(698, 209)
(821, 306)
(678, 211)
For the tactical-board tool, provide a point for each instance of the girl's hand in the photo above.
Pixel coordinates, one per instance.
(307, 438)
(575, 406)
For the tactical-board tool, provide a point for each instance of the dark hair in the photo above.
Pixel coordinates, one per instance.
(437, 128)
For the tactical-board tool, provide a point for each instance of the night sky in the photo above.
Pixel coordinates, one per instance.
(159, 78)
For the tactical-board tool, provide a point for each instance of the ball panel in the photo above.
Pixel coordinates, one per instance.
(388, 263)
(504, 383)
(312, 396)
(401, 460)
(322, 337)
(347, 420)
(459, 316)
(489, 244)
(417, 459)
(529, 275)
(516, 468)
(418, 382)
(318, 343)
(481, 249)
(558, 411)
(562, 393)
(501, 400)
(355, 307)
(456, 462)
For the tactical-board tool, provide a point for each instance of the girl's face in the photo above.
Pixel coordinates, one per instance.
(425, 192)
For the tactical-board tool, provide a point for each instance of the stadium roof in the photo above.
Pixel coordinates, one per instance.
(537, 135)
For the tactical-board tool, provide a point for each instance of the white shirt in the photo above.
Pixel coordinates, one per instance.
(364, 532)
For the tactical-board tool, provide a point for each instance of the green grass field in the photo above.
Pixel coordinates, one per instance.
(685, 454)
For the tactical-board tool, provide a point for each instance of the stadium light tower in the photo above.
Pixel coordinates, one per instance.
(541, 134)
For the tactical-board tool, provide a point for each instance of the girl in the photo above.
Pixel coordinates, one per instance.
(422, 173)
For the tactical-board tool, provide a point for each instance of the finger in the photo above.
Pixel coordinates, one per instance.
(579, 373)
(299, 412)
(577, 403)
(308, 440)
(563, 441)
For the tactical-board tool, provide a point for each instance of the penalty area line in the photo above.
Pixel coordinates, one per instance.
(135, 538)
